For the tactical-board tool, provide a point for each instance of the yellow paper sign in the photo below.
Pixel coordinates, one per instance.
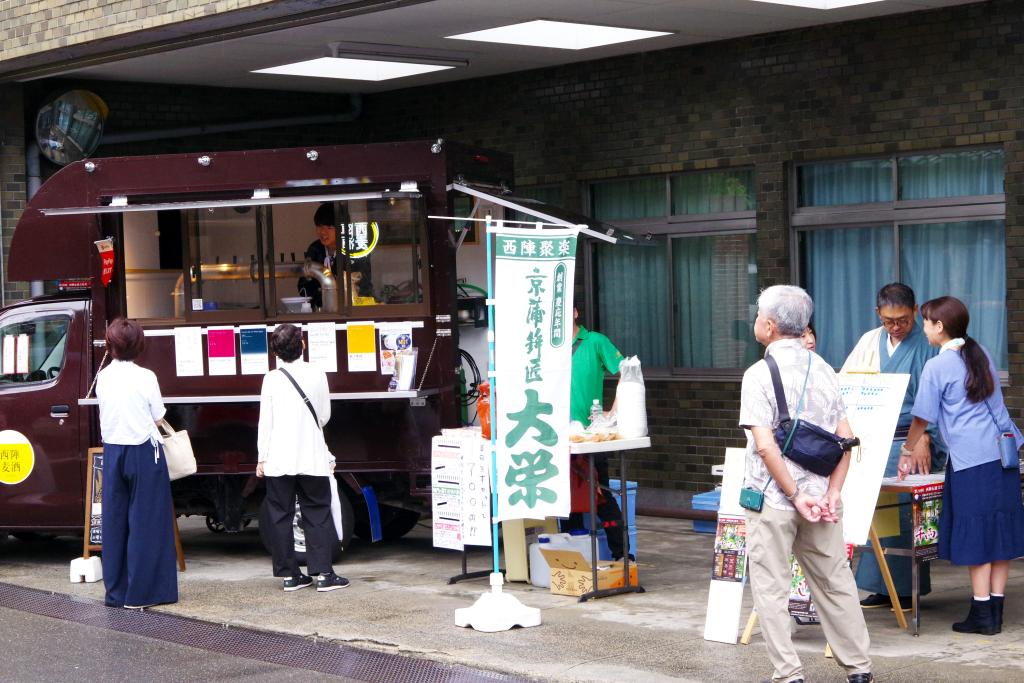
(362, 347)
(16, 457)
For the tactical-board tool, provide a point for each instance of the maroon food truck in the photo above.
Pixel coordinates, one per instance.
(228, 241)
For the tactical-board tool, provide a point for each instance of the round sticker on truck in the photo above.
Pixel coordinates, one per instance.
(16, 457)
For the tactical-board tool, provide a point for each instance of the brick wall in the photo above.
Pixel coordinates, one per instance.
(34, 26)
(12, 178)
(935, 79)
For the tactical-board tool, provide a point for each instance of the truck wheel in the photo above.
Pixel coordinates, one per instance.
(394, 523)
(347, 522)
(214, 525)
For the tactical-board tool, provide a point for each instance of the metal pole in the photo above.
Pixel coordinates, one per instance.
(494, 396)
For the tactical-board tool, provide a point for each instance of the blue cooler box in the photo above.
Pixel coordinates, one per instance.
(706, 501)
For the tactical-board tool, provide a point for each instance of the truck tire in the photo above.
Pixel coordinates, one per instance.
(394, 523)
(337, 551)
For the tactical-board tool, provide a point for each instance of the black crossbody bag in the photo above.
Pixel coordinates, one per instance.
(815, 449)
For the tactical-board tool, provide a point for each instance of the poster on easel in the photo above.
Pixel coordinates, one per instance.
(729, 563)
(446, 491)
(873, 403)
(800, 603)
(927, 508)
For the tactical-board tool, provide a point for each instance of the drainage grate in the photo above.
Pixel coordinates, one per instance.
(274, 648)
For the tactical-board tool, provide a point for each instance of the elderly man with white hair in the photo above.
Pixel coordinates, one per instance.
(801, 512)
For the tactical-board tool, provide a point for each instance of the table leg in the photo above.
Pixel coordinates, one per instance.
(627, 587)
(884, 566)
(915, 571)
(591, 476)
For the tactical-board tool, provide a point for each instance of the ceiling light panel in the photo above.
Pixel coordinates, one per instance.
(559, 34)
(352, 69)
(819, 4)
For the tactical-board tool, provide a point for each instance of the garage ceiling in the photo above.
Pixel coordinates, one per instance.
(420, 30)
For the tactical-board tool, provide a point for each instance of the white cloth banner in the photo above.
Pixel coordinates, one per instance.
(533, 276)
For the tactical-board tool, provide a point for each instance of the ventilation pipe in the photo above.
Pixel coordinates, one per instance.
(355, 100)
(33, 183)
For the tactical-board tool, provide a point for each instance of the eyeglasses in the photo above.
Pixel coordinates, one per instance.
(898, 323)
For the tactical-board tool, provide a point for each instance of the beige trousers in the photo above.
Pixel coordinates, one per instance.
(771, 536)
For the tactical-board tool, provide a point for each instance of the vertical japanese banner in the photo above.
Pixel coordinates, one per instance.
(533, 278)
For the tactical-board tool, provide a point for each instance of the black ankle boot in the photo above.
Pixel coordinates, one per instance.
(979, 620)
(997, 611)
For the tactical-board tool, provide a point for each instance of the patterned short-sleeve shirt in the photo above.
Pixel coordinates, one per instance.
(823, 406)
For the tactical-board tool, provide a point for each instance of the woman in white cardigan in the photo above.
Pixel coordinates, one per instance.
(295, 403)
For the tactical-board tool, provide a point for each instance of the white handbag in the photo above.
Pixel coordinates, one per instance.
(181, 461)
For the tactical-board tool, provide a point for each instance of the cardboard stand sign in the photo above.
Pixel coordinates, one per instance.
(106, 249)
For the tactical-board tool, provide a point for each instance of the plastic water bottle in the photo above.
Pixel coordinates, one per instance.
(596, 411)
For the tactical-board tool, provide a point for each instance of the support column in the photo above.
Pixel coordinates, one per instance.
(774, 262)
(13, 188)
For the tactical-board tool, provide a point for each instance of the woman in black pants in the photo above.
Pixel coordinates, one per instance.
(295, 461)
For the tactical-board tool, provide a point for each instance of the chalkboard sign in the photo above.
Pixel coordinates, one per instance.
(94, 502)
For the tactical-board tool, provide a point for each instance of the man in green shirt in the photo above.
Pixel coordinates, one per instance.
(592, 356)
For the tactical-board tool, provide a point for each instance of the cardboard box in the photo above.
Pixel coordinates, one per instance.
(571, 574)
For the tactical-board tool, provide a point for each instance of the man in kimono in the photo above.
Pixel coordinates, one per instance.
(898, 346)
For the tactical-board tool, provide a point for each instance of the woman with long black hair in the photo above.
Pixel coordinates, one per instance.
(982, 511)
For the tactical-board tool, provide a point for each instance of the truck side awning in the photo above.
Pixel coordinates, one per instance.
(123, 207)
(552, 214)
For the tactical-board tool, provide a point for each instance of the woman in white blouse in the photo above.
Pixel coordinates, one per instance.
(295, 403)
(139, 558)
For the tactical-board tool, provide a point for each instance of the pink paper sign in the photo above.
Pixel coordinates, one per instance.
(222, 343)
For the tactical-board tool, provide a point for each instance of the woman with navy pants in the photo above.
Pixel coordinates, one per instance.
(982, 510)
(139, 557)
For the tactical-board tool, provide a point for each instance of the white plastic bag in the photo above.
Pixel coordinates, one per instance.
(631, 399)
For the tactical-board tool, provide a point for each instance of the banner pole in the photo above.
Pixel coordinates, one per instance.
(494, 395)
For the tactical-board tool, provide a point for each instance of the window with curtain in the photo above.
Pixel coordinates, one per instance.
(697, 193)
(715, 281)
(946, 248)
(641, 198)
(686, 303)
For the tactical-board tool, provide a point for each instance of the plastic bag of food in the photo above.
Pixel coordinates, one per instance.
(631, 400)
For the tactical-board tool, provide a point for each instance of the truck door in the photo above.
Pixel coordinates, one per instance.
(39, 390)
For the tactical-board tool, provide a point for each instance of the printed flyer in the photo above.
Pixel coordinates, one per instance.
(927, 506)
(800, 602)
(730, 550)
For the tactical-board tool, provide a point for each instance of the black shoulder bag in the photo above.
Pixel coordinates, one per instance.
(815, 449)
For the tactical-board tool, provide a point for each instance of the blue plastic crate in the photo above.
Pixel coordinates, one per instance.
(706, 501)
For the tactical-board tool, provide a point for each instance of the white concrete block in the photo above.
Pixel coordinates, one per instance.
(89, 570)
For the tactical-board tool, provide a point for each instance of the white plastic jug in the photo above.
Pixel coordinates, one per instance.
(540, 572)
(631, 400)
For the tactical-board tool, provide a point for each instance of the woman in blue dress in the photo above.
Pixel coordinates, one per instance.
(982, 511)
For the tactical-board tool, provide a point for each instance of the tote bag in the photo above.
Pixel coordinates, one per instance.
(181, 461)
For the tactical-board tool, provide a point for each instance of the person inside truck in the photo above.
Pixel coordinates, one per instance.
(140, 563)
(324, 250)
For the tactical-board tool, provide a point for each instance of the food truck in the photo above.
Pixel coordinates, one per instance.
(208, 252)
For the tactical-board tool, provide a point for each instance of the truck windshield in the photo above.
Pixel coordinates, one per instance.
(33, 347)
(285, 259)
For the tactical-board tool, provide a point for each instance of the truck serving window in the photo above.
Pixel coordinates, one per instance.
(312, 257)
(371, 249)
(33, 347)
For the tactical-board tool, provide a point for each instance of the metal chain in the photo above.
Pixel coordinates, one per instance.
(97, 376)
(423, 378)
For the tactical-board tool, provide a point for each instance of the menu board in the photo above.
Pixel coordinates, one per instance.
(94, 502)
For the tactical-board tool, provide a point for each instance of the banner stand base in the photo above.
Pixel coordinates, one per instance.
(497, 611)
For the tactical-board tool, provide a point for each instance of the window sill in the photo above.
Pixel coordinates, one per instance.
(723, 375)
